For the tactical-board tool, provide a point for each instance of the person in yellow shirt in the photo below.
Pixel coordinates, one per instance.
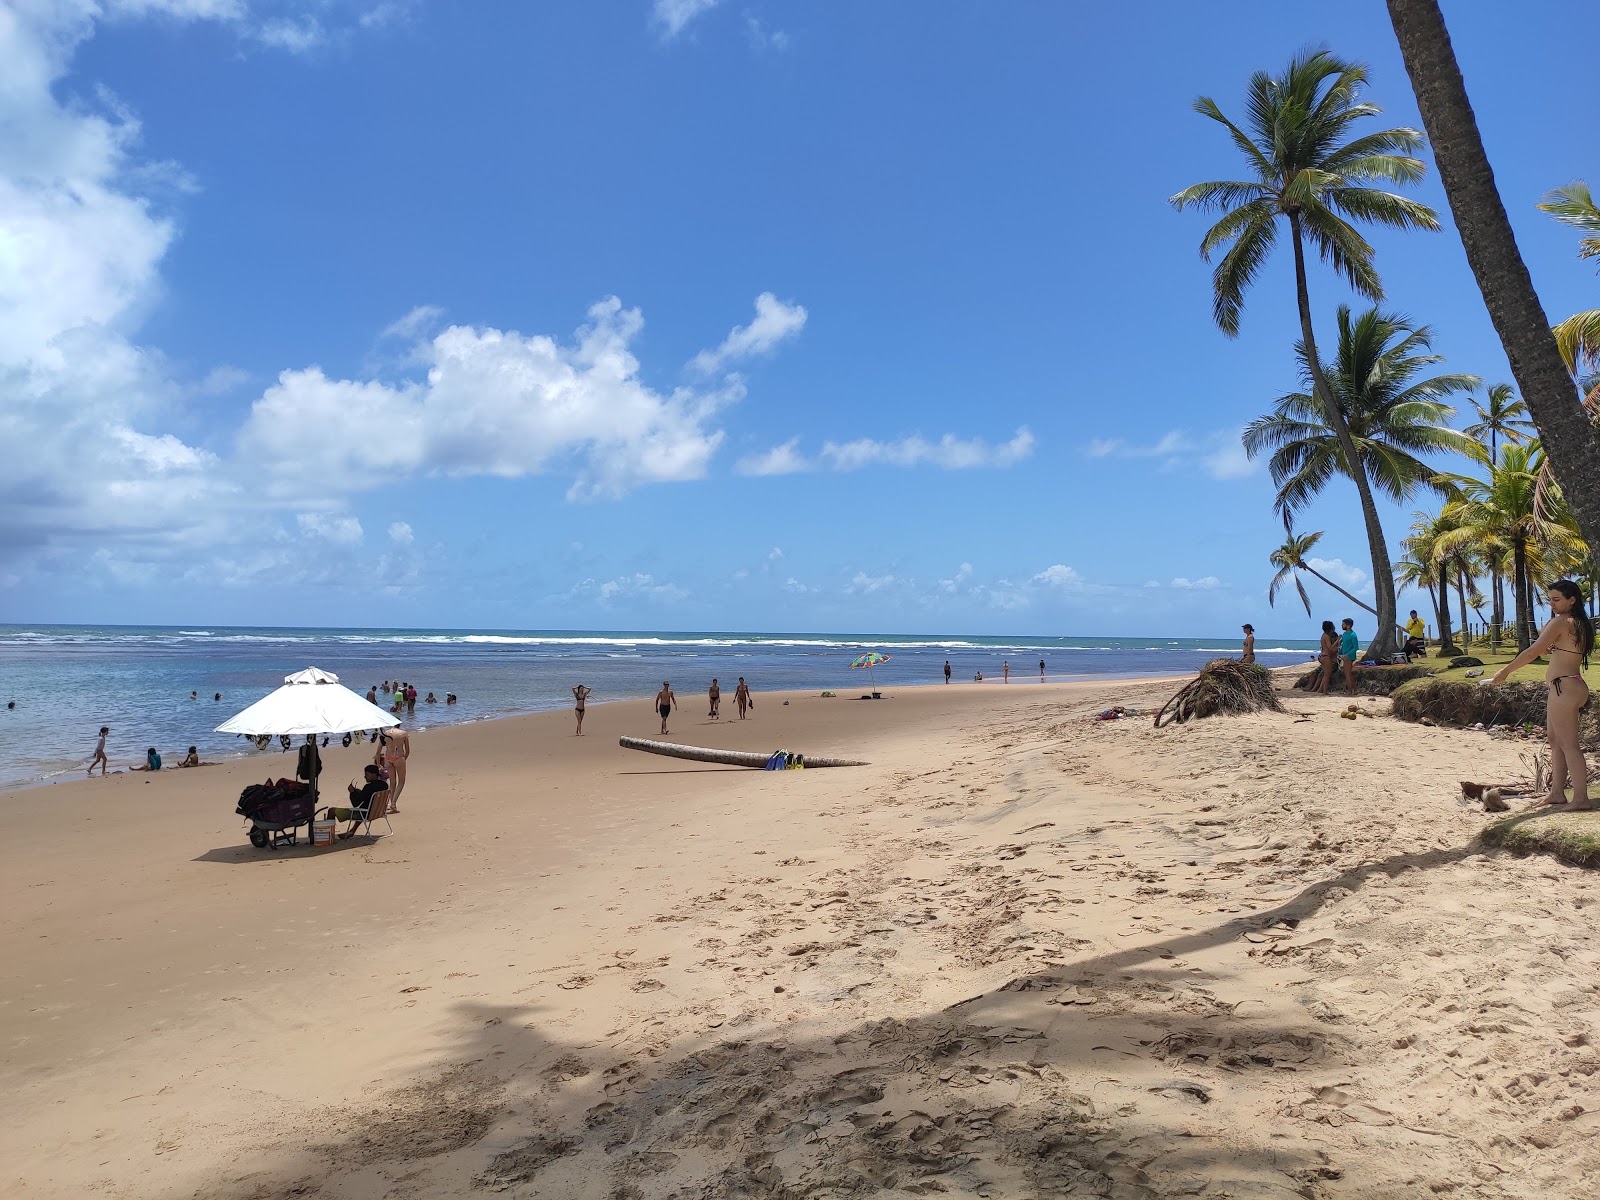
(1416, 635)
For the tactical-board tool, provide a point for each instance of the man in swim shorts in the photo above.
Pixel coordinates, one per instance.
(664, 703)
(1349, 651)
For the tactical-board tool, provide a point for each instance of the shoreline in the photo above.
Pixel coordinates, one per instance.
(416, 727)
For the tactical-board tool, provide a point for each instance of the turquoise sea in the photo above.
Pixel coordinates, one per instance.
(67, 681)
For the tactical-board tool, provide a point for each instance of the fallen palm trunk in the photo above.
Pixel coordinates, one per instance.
(728, 758)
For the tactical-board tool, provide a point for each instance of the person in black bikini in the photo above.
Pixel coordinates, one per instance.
(1568, 638)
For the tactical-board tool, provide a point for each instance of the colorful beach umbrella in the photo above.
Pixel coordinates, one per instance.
(869, 660)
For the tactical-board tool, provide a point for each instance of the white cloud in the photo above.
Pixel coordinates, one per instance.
(794, 586)
(950, 452)
(1210, 581)
(774, 322)
(775, 554)
(638, 586)
(494, 403)
(1219, 454)
(863, 584)
(961, 580)
(400, 533)
(412, 325)
(294, 34)
(1349, 577)
(673, 15)
(780, 460)
(1059, 575)
(340, 530)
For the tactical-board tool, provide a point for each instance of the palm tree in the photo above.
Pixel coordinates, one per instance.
(1392, 415)
(1302, 169)
(1290, 558)
(1504, 416)
(1426, 565)
(1504, 512)
(1544, 379)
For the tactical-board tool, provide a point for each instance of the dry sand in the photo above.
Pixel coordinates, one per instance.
(1023, 954)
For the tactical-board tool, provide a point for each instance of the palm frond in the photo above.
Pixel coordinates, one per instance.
(1339, 245)
(1237, 271)
(1578, 339)
(1383, 208)
(1207, 107)
(1218, 193)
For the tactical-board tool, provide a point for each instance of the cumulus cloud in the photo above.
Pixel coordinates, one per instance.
(494, 403)
(673, 15)
(774, 322)
(400, 533)
(950, 453)
(1210, 581)
(1059, 575)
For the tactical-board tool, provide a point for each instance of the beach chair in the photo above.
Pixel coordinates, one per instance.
(379, 811)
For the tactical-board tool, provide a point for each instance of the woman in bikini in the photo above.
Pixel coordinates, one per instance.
(1568, 638)
(1327, 655)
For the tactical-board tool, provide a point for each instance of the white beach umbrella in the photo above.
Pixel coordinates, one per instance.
(310, 701)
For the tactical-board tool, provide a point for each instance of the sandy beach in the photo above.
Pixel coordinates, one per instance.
(1024, 953)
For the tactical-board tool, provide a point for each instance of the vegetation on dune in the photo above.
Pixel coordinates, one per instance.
(1571, 837)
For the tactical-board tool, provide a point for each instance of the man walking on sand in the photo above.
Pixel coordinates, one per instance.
(396, 750)
(1005, 671)
(100, 752)
(665, 701)
(1041, 670)
(947, 672)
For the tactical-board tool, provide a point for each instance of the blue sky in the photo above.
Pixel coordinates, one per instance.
(680, 314)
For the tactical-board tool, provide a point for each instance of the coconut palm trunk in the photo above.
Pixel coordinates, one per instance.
(1383, 642)
(1497, 265)
(1522, 592)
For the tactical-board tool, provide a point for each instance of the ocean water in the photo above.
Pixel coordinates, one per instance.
(67, 681)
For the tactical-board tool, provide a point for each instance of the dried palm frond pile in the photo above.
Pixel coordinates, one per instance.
(1224, 685)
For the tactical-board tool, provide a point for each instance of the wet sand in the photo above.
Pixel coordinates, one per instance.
(1022, 954)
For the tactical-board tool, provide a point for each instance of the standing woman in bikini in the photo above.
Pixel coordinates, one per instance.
(1327, 655)
(1567, 637)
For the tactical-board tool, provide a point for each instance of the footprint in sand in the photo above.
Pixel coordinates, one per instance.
(648, 985)
(573, 982)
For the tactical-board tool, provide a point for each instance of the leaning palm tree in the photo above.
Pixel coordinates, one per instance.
(1544, 379)
(1301, 168)
(1503, 416)
(1290, 559)
(1394, 412)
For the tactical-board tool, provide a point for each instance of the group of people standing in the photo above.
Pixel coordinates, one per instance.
(1338, 649)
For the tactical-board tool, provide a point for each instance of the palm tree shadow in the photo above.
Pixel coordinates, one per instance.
(750, 1104)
